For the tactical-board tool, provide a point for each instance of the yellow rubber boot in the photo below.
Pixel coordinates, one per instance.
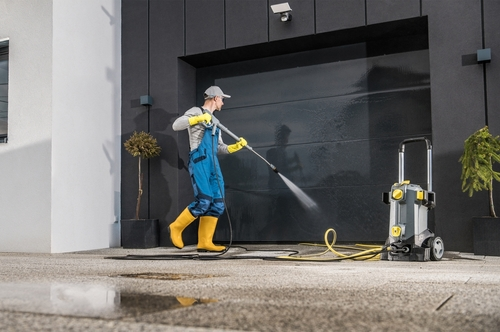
(175, 229)
(206, 233)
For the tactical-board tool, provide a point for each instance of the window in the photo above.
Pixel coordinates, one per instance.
(4, 88)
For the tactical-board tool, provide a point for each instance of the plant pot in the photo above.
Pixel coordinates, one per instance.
(486, 235)
(140, 233)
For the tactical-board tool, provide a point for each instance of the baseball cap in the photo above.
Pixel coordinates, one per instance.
(214, 91)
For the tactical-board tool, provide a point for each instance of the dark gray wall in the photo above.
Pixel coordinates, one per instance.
(156, 33)
(152, 41)
(246, 22)
(135, 78)
(339, 14)
(204, 26)
(491, 11)
(492, 40)
(389, 10)
(457, 93)
(165, 47)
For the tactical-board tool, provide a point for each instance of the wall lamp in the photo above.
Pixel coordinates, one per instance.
(484, 55)
(146, 100)
(284, 10)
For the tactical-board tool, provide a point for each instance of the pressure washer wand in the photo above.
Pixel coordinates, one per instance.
(227, 131)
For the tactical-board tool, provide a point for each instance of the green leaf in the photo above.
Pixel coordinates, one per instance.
(481, 151)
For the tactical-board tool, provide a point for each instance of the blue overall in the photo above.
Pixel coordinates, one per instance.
(206, 177)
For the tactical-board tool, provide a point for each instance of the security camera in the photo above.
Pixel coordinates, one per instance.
(284, 10)
(281, 8)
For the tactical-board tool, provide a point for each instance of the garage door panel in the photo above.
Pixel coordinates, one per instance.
(356, 213)
(365, 116)
(324, 165)
(340, 78)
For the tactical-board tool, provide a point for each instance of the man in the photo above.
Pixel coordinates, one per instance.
(205, 142)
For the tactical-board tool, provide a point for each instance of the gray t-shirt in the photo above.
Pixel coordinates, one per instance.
(197, 131)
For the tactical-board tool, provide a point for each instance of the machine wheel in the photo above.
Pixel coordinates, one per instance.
(437, 248)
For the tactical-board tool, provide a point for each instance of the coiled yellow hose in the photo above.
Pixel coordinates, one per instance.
(367, 252)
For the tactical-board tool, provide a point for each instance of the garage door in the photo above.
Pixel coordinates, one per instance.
(333, 129)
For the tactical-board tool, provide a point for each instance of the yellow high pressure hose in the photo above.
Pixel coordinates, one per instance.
(372, 253)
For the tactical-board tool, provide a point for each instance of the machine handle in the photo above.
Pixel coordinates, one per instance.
(412, 140)
(429, 159)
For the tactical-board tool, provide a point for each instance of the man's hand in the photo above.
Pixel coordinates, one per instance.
(205, 117)
(237, 146)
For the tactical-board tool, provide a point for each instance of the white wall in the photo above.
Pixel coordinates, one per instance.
(86, 122)
(25, 162)
(63, 154)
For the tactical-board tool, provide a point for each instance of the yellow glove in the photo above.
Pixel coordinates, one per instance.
(205, 117)
(237, 146)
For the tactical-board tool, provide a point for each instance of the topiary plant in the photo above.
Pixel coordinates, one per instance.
(143, 146)
(481, 152)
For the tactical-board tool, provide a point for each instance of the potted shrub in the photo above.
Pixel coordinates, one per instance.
(481, 152)
(140, 233)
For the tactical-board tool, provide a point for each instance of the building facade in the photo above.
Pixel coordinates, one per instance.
(327, 97)
(347, 80)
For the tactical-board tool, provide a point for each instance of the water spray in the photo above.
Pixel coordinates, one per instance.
(304, 199)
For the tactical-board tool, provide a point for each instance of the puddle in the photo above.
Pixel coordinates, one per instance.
(87, 300)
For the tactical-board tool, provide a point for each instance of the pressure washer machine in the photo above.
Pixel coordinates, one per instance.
(409, 237)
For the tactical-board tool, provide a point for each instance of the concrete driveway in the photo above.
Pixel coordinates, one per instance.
(89, 291)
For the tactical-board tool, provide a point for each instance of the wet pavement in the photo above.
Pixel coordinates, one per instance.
(100, 291)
